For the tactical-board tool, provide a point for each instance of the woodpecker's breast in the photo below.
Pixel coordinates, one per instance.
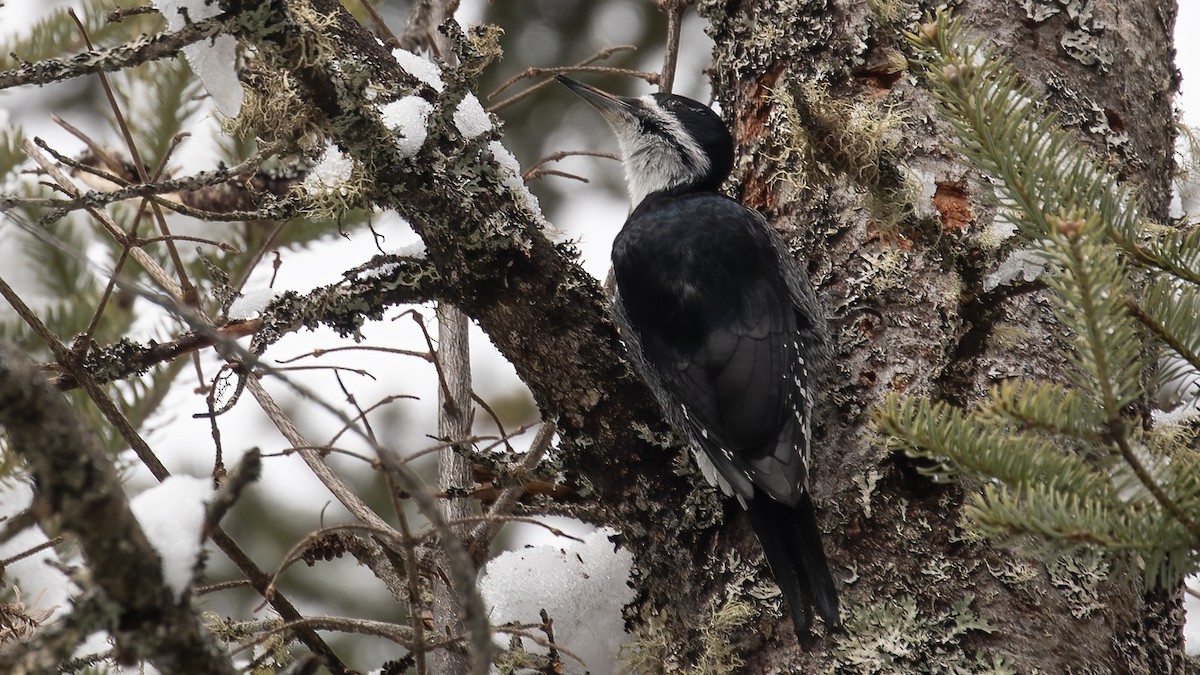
(706, 302)
(683, 262)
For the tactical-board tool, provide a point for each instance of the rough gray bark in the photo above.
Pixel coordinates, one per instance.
(928, 326)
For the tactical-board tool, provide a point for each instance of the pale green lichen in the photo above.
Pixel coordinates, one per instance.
(1078, 576)
(884, 270)
(866, 489)
(894, 637)
(654, 650)
(892, 12)
(855, 134)
(1015, 573)
(516, 659)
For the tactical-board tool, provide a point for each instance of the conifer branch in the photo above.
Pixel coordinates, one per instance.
(1028, 445)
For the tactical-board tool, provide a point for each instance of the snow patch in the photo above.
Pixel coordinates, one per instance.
(1025, 264)
(512, 174)
(212, 61)
(582, 587)
(252, 303)
(408, 118)
(330, 174)
(172, 515)
(470, 118)
(420, 68)
(413, 249)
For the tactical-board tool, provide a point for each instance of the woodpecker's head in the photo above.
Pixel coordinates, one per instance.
(668, 143)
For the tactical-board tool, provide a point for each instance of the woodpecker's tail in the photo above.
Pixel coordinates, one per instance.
(792, 543)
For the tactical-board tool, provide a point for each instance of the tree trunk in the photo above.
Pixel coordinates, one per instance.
(913, 314)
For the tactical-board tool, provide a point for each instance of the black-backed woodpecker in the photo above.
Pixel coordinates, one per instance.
(723, 326)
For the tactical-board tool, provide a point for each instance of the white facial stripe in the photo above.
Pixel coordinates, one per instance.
(652, 161)
(675, 130)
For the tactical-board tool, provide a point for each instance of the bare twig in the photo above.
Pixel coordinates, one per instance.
(85, 343)
(362, 414)
(486, 530)
(398, 540)
(674, 10)
(144, 259)
(189, 291)
(381, 25)
(535, 171)
(389, 631)
(416, 608)
(651, 78)
(598, 56)
(199, 181)
(49, 543)
(322, 351)
(344, 493)
(528, 520)
(555, 665)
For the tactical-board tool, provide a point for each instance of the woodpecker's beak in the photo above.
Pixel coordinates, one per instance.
(614, 109)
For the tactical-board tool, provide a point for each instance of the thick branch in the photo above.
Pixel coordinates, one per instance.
(77, 483)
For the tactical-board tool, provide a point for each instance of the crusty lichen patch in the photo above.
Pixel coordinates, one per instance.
(895, 637)
(654, 649)
(1079, 575)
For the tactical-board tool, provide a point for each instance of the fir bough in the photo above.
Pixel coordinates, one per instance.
(1070, 463)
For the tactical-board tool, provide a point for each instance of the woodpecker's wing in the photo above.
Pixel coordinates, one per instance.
(702, 291)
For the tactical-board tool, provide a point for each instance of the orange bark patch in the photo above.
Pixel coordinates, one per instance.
(952, 203)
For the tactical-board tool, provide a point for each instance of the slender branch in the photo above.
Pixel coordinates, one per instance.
(415, 604)
(401, 635)
(487, 529)
(598, 56)
(381, 283)
(130, 239)
(98, 198)
(316, 463)
(455, 478)
(674, 10)
(142, 50)
(530, 73)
